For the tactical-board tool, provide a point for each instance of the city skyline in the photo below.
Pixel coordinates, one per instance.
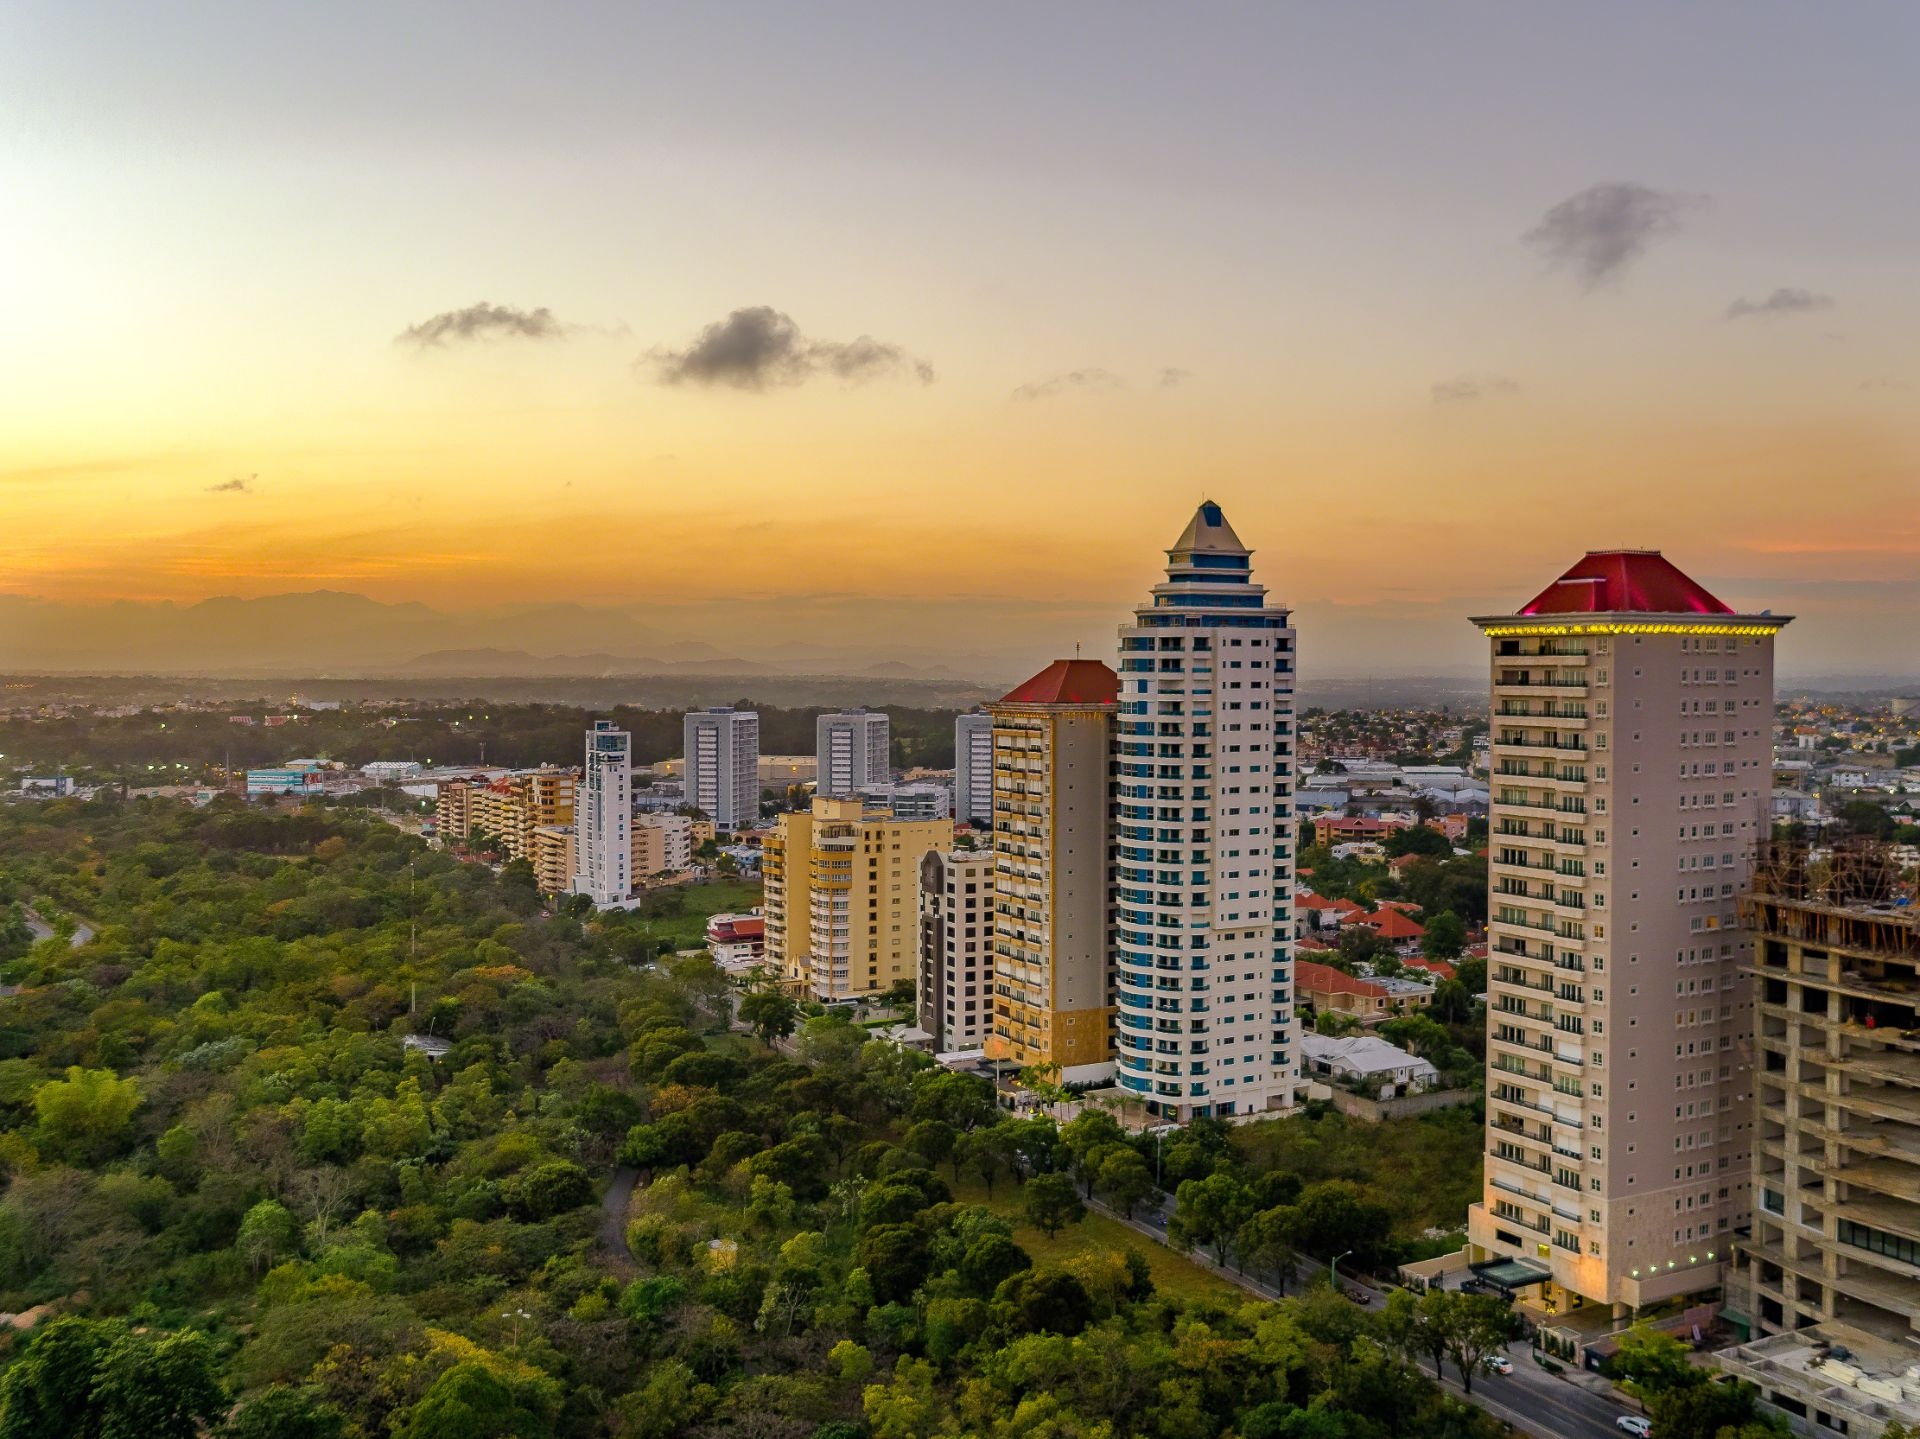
(632, 348)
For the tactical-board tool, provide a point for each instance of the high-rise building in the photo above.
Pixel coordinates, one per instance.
(513, 806)
(1835, 1204)
(1203, 844)
(854, 751)
(722, 748)
(1630, 763)
(553, 857)
(1052, 986)
(955, 993)
(842, 897)
(920, 799)
(973, 769)
(603, 816)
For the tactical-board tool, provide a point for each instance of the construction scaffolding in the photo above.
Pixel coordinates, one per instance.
(1848, 895)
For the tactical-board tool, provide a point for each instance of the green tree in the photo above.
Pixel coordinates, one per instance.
(85, 1115)
(474, 1400)
(282, 1412)
(1124, 1177)
(1210, 1212)
(1052, 1203)
(770, 1014)
(268, 1233)
(1445, 937)
(549, 1189)
(1268, 1240)
(39, 1396)
(1083, 1138)
(158, 1386)
(1475, 1326)
(1648, 1362)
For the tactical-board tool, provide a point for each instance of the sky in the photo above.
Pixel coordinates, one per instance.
(926, 326)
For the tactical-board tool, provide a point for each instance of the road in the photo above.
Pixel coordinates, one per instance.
(613, 1217)
(82, 933)
(1530, 1399)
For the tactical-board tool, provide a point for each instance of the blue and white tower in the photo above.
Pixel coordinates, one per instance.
(1202, 827)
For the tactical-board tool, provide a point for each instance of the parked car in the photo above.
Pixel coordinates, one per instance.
(1635, 1425)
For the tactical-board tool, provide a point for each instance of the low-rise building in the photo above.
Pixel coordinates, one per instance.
(1368, 1000)
(921, 800)
(737, 939)
(1368, 1063)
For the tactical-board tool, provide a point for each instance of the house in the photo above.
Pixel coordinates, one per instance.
(1332, 829)
(1378, 1069)
(1319, 912)
(1393, 925)
(737, 938)
(1367, 1000)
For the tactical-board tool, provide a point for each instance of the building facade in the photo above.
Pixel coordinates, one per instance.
(603, 816)
(722, 749)
(955, 992)
(1052, 745)
(973, 769)
(842, 892)
(1203, 846)
(919, 799)
(554, 858)
(854, 751)
(511, 807)
(1630, 764)
(662, 844)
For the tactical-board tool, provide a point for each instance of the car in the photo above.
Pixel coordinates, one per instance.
(1499, 1364)
(1635, 1425)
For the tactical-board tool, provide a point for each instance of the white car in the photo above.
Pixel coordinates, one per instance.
(1635, 1425)
(1499, 1364)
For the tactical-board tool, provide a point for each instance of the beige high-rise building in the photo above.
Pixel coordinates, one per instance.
(1631, 775)
(842, 891)
(955, 993)
(1051, 755)
(1836, 1164)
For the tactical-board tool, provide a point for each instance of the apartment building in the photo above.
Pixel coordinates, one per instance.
(722, 750)
(1202, 838)
(662, 844)
(854, 751)
(955, 993)
(513, 806)
(1836, 1159)
(916, 799)
(1052, 1002)
(554, 858)
(973, 769)
(603, 816)
(842, 895)
(453, 810)
(1630, 767)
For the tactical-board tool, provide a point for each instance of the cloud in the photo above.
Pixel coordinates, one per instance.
(1090, 381)
(1469, 388)
(1783, 301)
(1601, 231)
(1171, 376)
(238, 485)
(484, 322)
(758, 348)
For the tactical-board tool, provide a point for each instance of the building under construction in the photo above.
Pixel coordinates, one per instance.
(1832, 1264)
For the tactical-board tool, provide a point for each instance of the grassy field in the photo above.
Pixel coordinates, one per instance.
(687, 929)
(1173, 1274)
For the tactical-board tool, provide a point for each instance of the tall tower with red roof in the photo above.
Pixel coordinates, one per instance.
(1631, 777)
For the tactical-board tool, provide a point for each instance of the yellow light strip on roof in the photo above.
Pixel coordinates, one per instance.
(1614, 627)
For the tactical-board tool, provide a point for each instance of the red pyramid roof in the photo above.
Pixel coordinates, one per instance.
(1624, 582)
(1068, 682)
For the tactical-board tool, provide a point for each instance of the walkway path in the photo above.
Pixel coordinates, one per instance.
(613, 1217)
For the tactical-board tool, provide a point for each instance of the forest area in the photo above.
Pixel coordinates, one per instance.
(249, 1206)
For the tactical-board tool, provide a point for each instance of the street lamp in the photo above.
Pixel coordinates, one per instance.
(1333, 1269)
(516, 1315)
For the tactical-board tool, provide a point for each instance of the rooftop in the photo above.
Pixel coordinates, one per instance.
(1208, 533)
(1625, 582)
(1068, 682)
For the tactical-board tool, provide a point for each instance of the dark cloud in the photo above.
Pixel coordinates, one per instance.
(1171, 376)
(1783, 301)
(238, 485)
(1601, 231)
(758, 348)
(484, 322)
(1092, 380)
(1461, 391)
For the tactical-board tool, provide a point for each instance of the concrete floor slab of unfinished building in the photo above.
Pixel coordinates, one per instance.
(1874, 1384)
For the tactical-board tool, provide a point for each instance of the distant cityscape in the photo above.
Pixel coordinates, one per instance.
(1682, 904)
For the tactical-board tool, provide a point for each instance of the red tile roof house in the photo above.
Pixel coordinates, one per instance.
(1322, 913)
(1368, 1000)
(1394, 927)
(1438, 968)
(1335, 828)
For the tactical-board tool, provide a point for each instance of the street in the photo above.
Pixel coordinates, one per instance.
(1530, 1399)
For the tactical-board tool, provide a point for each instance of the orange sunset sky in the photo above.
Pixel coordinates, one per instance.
(1430, 299)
